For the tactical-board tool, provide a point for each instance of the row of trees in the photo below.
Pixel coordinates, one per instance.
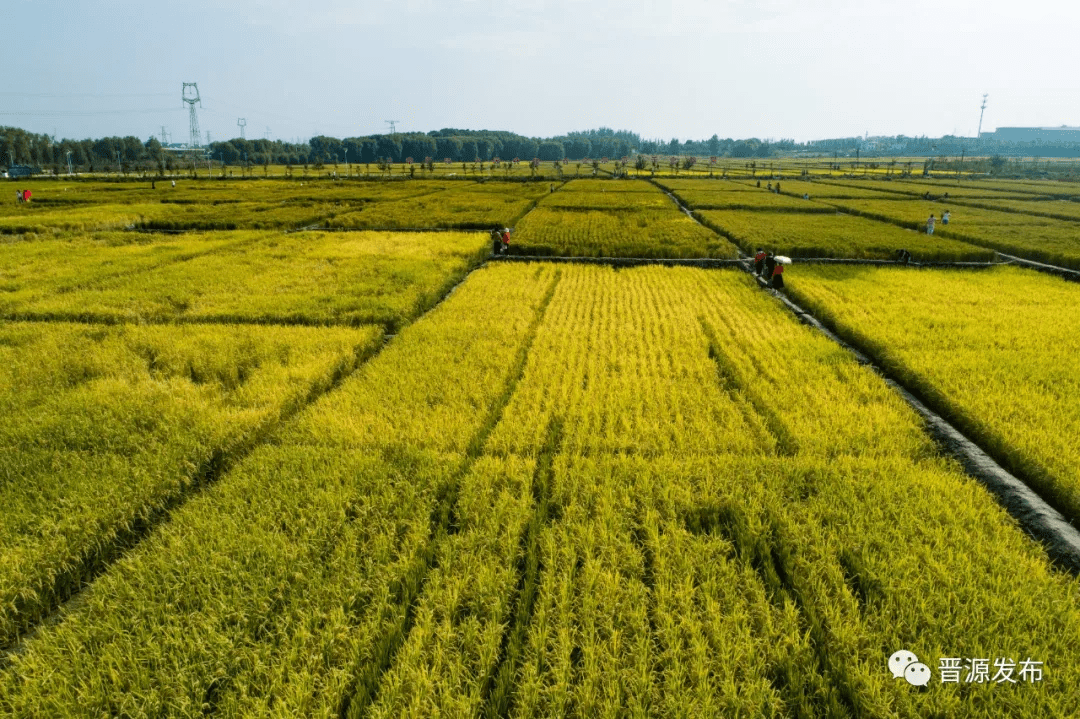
(459, 145)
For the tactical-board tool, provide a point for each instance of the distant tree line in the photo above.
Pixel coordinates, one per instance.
(109, 154)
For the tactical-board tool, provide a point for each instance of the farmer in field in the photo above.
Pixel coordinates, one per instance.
(903, 256)
(778, 188)
(770, 265)
(506, 240)
(759, 261)
(26, 195)
(778, 276)
(930, 225)
(945, 218)
(496, 242)
(18, 196)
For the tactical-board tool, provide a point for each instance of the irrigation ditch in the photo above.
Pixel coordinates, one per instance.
(1040, 520)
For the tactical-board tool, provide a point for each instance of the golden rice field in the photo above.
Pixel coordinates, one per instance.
(297, 448)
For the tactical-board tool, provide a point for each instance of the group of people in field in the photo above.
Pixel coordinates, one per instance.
(767, 267)
(22, 196)
(500, 241)
(931, 222)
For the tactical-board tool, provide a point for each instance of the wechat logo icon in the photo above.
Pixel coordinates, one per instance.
(905, 664)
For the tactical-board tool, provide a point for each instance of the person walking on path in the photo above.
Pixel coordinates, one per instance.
(496, 242)
(778, 277)
(930, 225)
(506, 240)
(770, 265)
(759, 262)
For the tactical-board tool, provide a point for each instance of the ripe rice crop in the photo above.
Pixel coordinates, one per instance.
(322, 548)
(821, 190)
(470, 206)
(81, 218)
(594, 233)
(1034, 238)
(1055, 209)
(715, 195)
(105, 428)
(991, 350)
(463, 529)
(622, 195)
(303, 278)
(905, 189)
(834, 235)
(32, 270)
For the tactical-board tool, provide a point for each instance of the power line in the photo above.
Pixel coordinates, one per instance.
(85, 94)
(80, 113)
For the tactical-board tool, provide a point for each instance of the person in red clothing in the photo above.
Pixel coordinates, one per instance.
(506, 240)
(26, 195)
(778, 276)
(759, 261)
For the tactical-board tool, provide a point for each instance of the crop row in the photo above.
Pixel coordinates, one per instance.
(520, 508)
(834, 235)
(107, 428)
(1036, 238)
(476, 206)
(595, 233)
(277, 205)
(991, 350)
(727, 195)
(302, 278)
(30, 271)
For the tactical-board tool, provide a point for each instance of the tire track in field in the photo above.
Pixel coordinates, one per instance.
(499, 688)
(69, 585)
(443, 522)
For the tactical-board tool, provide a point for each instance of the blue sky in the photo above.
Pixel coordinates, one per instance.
(663, 68)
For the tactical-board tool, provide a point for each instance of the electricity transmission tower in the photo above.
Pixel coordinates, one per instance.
(393, 125)
(190, 97)
(241, 123)
(978, 135)
(266, 135)
(164, 136)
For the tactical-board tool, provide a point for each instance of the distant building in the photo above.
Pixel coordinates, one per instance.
(1035, 134)
(22, 171)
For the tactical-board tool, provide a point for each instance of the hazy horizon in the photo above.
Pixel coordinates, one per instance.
(660, 68)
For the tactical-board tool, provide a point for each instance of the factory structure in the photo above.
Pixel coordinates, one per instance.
(1044, 135)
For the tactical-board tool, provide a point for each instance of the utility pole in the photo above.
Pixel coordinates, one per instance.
(190, 97)
(393, 125)
(346, 162)
(68, 156)
(208, 138)
(164, 138)
(982, 109)
(241, 123)
(266, 135)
